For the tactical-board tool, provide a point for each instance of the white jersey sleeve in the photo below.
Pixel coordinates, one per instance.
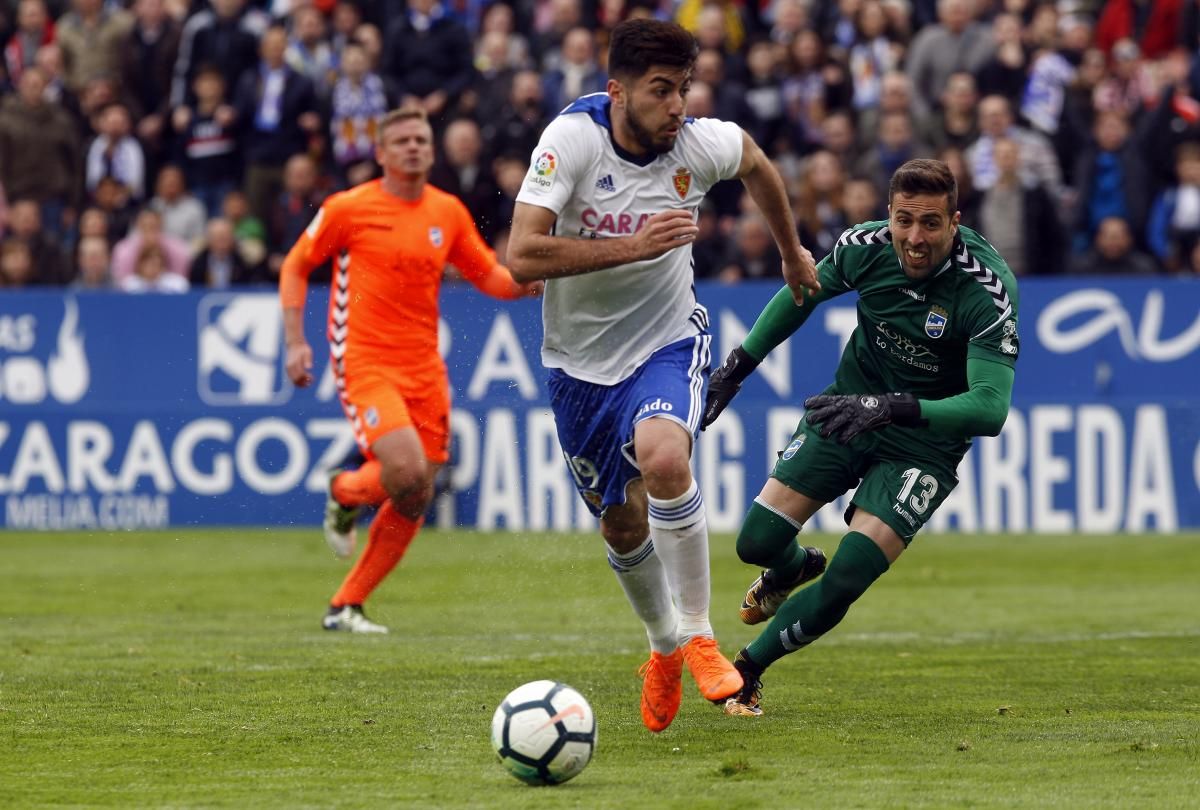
(560, 159)
(720, 143)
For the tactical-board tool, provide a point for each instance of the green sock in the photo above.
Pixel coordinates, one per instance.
(813, 611)
(768, 539)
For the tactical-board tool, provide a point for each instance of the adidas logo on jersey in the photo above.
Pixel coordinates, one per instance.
(605, 183)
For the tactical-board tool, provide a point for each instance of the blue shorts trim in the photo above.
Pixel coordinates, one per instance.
(595, 422)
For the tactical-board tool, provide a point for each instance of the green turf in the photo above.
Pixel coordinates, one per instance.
(188, 669)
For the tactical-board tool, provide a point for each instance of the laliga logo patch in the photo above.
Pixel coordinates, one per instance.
(371, 417)
(794, 447)
(435, 237)
(544, 167)
(935, 322)
(682, 181)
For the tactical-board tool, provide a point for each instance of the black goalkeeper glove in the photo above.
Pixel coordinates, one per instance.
(725, 383)
(842, 417)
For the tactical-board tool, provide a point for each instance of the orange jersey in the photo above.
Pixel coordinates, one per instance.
(388, 256)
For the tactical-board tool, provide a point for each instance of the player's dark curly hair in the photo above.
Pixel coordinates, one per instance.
(639, 44)
(925, 177)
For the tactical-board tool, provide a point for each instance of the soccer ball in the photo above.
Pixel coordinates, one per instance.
(544, 732)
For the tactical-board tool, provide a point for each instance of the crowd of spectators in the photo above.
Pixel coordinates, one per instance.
(162, 144)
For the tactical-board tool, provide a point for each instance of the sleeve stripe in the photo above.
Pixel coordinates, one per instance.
(996, 323)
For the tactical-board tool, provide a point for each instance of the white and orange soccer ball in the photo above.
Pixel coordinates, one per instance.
(544, 732)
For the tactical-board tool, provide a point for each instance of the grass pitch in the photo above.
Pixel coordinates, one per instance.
(188, 670)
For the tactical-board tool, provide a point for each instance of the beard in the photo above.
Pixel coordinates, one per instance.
(645, 138)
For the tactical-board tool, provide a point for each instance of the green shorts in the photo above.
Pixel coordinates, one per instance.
(896, 485)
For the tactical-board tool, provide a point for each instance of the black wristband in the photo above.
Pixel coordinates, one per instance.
(739, 365)
(906, 410)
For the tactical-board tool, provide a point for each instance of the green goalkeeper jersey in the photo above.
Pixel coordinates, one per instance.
(950, 335)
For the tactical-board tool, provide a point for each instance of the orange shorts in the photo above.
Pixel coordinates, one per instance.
(376, 407)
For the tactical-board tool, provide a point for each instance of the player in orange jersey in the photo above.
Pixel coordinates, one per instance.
(389, 240)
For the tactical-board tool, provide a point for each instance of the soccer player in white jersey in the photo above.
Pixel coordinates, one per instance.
(607, 215)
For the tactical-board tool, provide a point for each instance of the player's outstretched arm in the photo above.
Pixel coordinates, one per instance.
(534, 254)
(979, 411)
(766, 188)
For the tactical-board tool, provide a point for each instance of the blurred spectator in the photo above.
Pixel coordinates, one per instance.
(50, 265)
(764, 97)
(491, 82)
(49, 59)
(1114, 180)
(343, 22)
(183, 216)
(552, 20)
(509, 171)
(708, 250)
(429, 57)
(895, 96)
(94, 222)
(729, 96)
(294, 209)
(860, 202)
(519, 125)
(308, 51)
(1019, 217)
(818, 202)
(1129, 85)
(954, 122)
(839, 136)
(225, 36)
(206, 141)
(219, 265)
(787, 18)
(1004, 72)
(499, 26)
(955, 43)
(816, 87)
(1112, 253)
(151, 274)
(34, 29)
(461, 170)
(1038, 160)
(872, 55)
(3, 211)
(111, 198)
(716, 23)
(248, 230)
(39, 151)
(1153, 25)
(896, 145)
(359, 102)
(577, 73)
(147, 59)
(1175, 117)
(16, 264)
(116, 153)
(371, 39)
(1174, 226)
(968, 197)
(276, 112)
(752, 254)
(93, 260)
(147, 230)
(91, 37)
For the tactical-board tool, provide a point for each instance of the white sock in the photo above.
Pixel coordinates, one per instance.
(679, 530)
(644, 581)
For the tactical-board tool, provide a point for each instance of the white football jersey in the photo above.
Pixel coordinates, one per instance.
(601, 326)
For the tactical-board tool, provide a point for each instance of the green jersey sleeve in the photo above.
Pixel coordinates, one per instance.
(979, 411)
(782, 316)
